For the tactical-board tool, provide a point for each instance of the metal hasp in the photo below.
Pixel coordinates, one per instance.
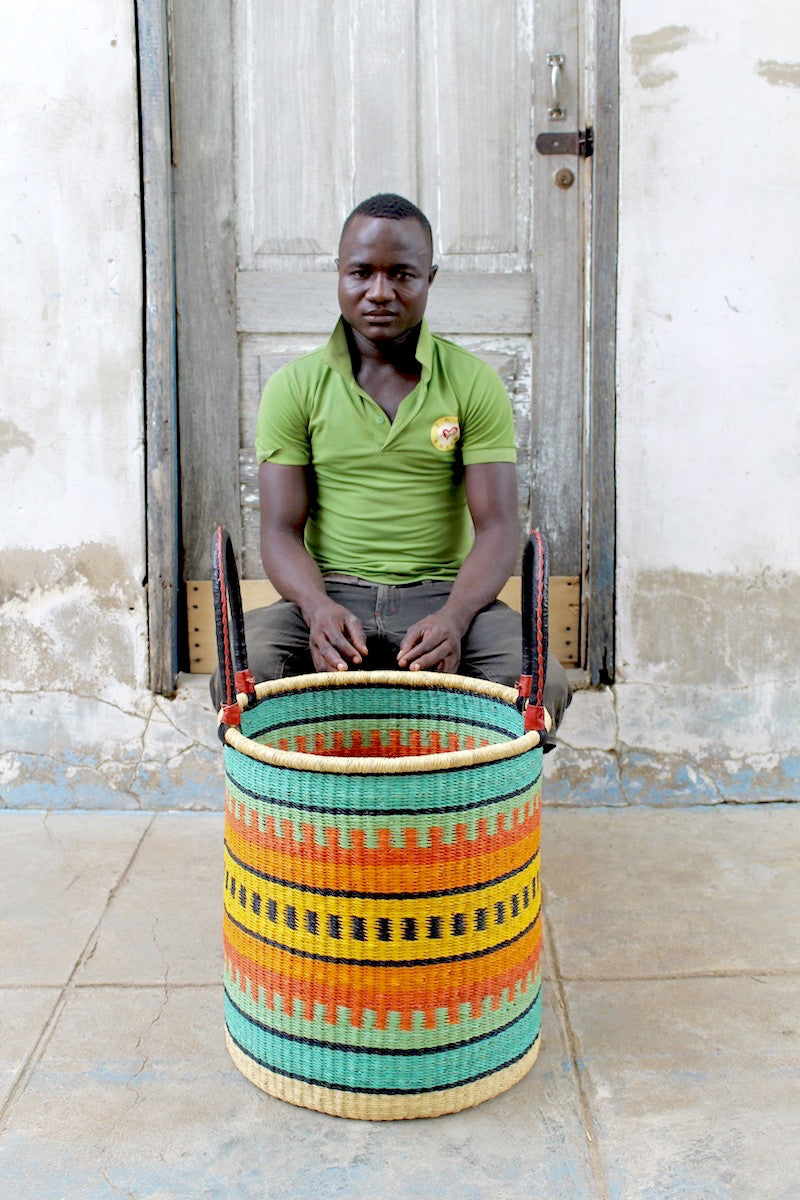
(580, 142)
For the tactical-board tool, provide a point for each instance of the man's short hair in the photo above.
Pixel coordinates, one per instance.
(391, 207)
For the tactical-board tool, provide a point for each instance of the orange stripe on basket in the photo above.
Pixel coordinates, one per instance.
(392, 747)
(386, 989)
(360, 992)
(373, 877)
(306, 858)
(371, 873)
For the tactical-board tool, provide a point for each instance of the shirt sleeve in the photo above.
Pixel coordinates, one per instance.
(488, 426)
(282, 425)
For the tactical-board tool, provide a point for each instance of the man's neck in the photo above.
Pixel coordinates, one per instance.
(399, 354)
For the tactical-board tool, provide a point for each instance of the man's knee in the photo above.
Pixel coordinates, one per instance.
(557, 691)
(277, 645)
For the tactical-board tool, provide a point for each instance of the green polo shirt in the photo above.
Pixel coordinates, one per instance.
(388, 503)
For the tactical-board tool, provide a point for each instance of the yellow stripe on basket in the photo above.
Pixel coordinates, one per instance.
(383, 930)
(404, 987)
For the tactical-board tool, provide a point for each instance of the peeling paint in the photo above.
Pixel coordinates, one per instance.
(646, 47)
(64, 752)
(99, 567)
(733, 631)
(73, 619)
(582, 779)
(779, 74)
(14, 438)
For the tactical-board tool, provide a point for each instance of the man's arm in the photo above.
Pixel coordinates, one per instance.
(335, 635)
(434, 643)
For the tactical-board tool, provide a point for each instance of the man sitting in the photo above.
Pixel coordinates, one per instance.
(388, 485)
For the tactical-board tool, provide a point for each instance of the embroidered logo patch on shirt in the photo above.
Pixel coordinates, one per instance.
(445, 433)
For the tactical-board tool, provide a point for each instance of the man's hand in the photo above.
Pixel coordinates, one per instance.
(335, 637)
(433, 644)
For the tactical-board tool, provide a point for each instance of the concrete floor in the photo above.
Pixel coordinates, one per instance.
(670, 1065)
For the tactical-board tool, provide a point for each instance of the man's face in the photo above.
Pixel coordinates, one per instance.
(384, 275)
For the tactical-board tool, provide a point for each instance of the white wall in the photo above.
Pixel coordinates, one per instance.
(709, 383)
(707, 703)
(71, 540)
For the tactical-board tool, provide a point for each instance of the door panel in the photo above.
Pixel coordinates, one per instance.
(560, 300)
(331, 101)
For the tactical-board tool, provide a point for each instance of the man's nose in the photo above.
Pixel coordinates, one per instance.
(380, 287)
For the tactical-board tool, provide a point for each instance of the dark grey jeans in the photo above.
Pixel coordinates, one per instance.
(277, 637)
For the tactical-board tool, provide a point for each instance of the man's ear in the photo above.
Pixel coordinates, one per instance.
(432, 274)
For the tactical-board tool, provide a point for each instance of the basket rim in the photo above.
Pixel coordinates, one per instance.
(372, 764)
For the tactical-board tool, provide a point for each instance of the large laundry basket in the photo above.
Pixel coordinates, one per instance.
(382, 925)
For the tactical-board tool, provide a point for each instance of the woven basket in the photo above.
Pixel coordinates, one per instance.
(382, 925)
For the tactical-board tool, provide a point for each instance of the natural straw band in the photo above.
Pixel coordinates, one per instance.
(372, 764)
(377, 1107)
(409, 679)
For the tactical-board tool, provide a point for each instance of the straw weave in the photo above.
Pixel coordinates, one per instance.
(382, 904)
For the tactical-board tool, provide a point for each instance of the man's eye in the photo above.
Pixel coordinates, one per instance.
(361, 273)
(404, 276)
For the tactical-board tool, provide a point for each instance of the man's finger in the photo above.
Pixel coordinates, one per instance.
(330, 658)
(356, 634)
(436, 661)
(332, 650)
(342, 644)
(432, 647)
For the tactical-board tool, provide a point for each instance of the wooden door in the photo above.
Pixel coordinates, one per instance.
(289, 112)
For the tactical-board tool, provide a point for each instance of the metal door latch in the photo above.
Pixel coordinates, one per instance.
(581, 143)
(556, 111)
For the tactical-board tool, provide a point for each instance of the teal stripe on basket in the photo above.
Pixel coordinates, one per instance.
(359, 1070)
(405, 726)
(397, 823)
(385, 704)
(434, 790)
(392, 1037)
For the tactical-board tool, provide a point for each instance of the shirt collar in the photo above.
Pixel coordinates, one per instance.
(336, 354)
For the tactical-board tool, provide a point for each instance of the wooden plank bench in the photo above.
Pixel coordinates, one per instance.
(563, 624)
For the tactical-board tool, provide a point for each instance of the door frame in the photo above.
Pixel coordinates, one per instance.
(600, 493)
(164, 41)
(162, 516)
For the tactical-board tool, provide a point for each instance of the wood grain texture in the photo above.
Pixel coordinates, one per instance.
(384, 123)
(558, 349)
(459, 302)
(159, 384)
(601, 477)
(206, 275)
(293, 103)
(292, 110)
(472, 47)
(563, 624)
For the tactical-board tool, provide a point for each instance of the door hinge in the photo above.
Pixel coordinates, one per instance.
(581, 142)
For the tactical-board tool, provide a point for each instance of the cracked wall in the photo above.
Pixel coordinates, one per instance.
(73, 651)
(708, 652)
(706, 706)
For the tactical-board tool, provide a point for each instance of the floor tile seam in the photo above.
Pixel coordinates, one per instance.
(33, 1058)
(41, 1043)
(678, 976)
(31, 987)
(91, 942)
(679, 806)
(145, 985)
(596, 1164)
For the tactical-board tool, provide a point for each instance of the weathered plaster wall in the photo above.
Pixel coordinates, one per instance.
(707, 703)
(708, 387)
(72, 636)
